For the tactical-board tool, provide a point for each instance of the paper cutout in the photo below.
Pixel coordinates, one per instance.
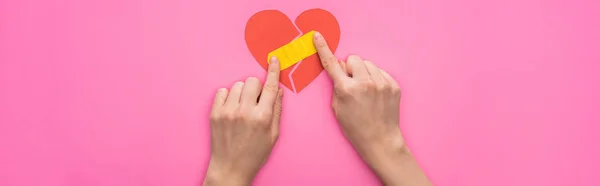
(269, 30)
(295, 51)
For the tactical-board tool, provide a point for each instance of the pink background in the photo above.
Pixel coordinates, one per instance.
(117, 92)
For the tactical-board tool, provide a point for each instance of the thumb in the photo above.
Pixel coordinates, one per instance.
(328, 60)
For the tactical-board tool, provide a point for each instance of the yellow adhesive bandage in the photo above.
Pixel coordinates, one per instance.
(294, 51)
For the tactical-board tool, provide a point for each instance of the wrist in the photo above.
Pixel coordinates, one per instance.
(379, 143)
(383, 148)
(217, 174)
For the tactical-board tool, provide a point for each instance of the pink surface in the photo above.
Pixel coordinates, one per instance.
(117, 92)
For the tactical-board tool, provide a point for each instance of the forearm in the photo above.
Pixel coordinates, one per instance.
(394, 164)
(219, 176)
(215, 181)
(401, 169)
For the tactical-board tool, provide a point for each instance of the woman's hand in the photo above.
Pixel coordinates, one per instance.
(244, 126)
(366, 102)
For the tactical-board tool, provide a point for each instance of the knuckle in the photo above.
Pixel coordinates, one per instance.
(271, 87)
(382, 87)
(395, 90)
(229, 117)
(334, 104)
(358, 87)
(343, 90)
(331, 59)
(240, 116)
(262, 117)
(214, 117)
(368, 85)
(327, 61)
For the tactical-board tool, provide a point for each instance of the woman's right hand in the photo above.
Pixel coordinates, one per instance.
(366, 105)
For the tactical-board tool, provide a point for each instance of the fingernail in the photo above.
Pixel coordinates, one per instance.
(274, 60)
(318, 35)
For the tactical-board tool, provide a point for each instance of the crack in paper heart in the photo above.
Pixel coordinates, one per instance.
(295, 65)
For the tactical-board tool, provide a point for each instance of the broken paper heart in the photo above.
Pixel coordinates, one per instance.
(269, 30)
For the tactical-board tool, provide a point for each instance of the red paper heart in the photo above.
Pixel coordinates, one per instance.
(270, 29)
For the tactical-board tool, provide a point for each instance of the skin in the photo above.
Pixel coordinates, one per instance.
(244, 126)
(366, 105)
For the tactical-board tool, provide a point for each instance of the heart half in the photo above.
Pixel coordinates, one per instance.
(270, 29)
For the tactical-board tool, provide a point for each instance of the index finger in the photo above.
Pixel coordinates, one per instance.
(328, 60)
(269, 91)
